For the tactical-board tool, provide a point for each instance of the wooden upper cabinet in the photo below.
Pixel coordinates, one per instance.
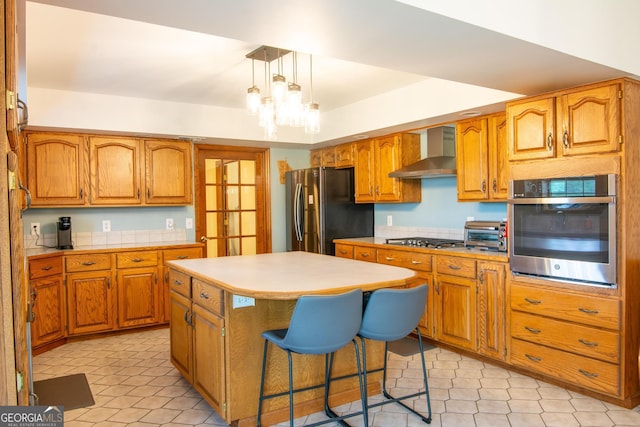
(364, 171)
(577, 122)
(375, 159)
(114, 171)
(167, 172)
(315, 158)
(472, 159)
(481, 150)
(322, 157)
(56, 169)
(344, 155)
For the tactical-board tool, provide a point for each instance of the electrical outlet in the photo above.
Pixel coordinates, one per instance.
(35, 228)
(389, 220)
(189, 223)
(169, 222)
(106, 226)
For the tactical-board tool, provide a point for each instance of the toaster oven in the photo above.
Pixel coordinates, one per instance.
(489, 235)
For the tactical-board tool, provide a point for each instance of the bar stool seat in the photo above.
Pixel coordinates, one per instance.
(320, 324)
(392, 314)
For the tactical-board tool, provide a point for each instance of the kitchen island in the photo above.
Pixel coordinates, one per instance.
(221, 306)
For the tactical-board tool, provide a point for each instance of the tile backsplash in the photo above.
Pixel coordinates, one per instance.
(111, 238)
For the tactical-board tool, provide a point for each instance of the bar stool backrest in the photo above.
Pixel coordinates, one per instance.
(322, 324)
(392, 314)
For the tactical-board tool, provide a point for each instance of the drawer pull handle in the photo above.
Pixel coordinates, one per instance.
(533, 358)
(588, 374)
(47, 268)
(364, 255)
(137, 260)
(88, 263)
(454, 267)
(533, 330)
(588, 343)
(389, 258)
(178, 282)
(343, 252)
(588, 311)
(204, 295)
(533, 301)
(182, 256)
(416, 262)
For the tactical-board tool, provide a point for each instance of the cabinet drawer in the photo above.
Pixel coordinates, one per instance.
(45, 267)
(590, 310)
(180, 283)
(364, 254)
(184, 253)
(583, 371)
(344, 251)
(137, 259)
(413, 260)
(87, 262)
(455, 266)
(208, 296)
(583, 340)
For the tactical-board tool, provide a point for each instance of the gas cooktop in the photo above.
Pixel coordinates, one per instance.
(426, 242)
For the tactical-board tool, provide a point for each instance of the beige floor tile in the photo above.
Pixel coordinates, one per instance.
(129, 415)
(152, 402)
(160, 416)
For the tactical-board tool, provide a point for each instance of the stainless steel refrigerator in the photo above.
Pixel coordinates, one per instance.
(320, 207)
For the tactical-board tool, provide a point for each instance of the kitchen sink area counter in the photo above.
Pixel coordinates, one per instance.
(221, 306)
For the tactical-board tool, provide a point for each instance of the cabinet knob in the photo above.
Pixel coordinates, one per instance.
(565, 138)
(550, 142)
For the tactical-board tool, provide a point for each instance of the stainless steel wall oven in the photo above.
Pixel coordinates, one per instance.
(564, 229)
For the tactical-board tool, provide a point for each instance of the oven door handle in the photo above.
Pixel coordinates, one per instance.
(561, 200)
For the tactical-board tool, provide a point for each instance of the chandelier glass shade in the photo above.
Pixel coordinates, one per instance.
(281, 103)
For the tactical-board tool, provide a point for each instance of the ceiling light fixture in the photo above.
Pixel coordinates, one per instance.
(280, 104)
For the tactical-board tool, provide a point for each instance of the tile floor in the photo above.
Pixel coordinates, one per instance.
(134, 384)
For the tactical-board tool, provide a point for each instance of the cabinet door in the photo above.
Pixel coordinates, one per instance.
(590, 121)
(56, 169)
(315, 158)
(181, 334)
(169, 255)
(426, 325)
(364, 172)
(168, 172)
(498, 148)
(531, 129)
(472, 159)
(387, 160)
(329, 157)
(47, 300)
(115, 171)
(491, 309)
(90, 302)
(344, 155)
(208, 355)
(138, 297)
(455, 311)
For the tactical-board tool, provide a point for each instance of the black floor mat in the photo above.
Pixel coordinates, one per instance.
(71, 392)
(408, 346)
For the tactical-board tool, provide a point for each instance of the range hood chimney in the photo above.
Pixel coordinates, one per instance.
(440, 160)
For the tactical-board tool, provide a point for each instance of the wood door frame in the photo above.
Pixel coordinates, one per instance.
(263, 155)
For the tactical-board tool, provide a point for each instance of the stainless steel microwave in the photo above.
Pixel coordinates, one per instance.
(564, 229)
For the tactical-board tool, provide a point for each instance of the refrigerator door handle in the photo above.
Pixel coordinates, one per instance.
(297, 211)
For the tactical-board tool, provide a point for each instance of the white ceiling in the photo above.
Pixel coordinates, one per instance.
(193, 51)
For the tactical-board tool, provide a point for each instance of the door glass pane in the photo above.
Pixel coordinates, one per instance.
(248, 197)
(233, 198)
(233, 228)
(248, 245)
(212, 224)
(211, 202)
(212, 170)
(233, 247)
(212, 248)
(248, 223)
(248, 171)
(231, 171)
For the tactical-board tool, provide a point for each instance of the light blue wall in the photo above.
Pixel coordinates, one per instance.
(439, 208)
(122, 219)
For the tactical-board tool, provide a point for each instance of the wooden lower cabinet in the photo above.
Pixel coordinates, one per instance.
(455, 311)
(90, 302)
(208, 357)
(47, 302)
(171, 255)
(181, 334)
(139, 298)
(491, 300)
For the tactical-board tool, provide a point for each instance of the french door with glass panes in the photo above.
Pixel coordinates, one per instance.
(231, 200)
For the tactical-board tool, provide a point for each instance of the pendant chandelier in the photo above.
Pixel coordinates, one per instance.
(279, 103)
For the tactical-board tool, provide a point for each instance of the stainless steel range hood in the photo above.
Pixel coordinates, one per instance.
(440, 160)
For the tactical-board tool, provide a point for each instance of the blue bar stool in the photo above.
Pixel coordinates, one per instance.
(319, 324)
(392, 314)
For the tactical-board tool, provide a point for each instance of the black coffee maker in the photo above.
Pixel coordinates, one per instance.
(64, 233)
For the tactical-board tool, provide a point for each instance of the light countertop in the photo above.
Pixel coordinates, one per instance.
(288, 275)
(45, 251)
